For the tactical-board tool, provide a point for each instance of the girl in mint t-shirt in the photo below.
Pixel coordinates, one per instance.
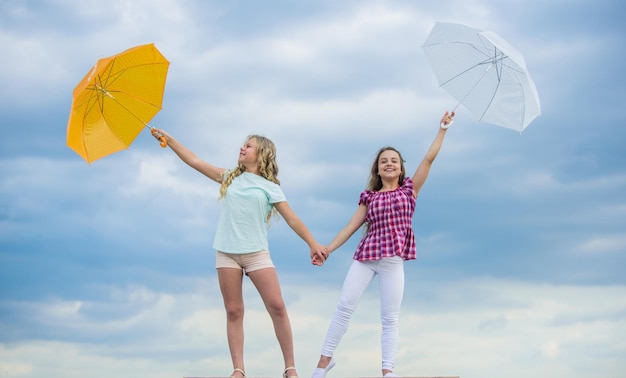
(250, 195)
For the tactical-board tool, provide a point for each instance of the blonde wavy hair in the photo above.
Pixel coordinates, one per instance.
(268, 167)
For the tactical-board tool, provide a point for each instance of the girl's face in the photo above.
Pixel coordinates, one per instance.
(248, 153)
(389, 165)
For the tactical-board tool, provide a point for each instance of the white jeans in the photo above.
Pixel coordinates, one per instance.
(390, 271)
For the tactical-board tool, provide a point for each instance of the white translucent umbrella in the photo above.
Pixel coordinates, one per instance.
(484, 73)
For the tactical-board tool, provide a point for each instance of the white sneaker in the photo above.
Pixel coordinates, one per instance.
(390, 374)
(321, 372)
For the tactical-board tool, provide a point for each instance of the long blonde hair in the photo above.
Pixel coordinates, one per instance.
(268, 167)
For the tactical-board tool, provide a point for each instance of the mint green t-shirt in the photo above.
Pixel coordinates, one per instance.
(241, 227)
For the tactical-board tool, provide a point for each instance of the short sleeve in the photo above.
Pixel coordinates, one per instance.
(407, 186)
(365, 197)
(275, 194)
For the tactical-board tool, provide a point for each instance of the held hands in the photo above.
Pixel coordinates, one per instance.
(319, 255)
(446, 120)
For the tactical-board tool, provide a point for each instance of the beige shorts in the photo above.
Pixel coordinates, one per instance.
(249, 262)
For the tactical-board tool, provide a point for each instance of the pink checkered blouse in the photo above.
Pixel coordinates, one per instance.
(390, 217)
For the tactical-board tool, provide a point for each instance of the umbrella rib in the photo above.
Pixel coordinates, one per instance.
(488, 60)
(522, 103)
(131, 113)
(490, 100)
(89, 105)
(498, 62)
(501, 92)
(117, 97)
(493, 61)
(101, 88)
(467, 70)
(113, 78)
(473, 86)
(104, 91)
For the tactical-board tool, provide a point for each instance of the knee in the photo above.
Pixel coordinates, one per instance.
(234, 311)
(390, 319)
(277, 308)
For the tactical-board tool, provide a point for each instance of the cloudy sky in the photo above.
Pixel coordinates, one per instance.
(107, 269)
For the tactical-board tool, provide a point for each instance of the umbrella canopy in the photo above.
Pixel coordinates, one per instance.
(484, 73)
(115, 101)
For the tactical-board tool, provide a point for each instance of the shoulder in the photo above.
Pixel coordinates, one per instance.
(265, 183)
(407, 182)
(273, 190)
(408, 187)
(366, 196)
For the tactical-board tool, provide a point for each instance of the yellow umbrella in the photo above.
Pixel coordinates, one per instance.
(115, 101)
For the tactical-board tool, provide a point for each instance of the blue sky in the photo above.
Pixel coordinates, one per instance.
(107, 270)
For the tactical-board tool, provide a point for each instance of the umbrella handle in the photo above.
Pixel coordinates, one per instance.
(163, 142)
(444, 126)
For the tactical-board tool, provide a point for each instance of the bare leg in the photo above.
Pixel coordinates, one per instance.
(323, 367)
(231, 286)
(266, 282)
(324, 361)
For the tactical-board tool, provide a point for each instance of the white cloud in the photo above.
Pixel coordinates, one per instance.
(604, 244)
(544, 329)
(329, 83)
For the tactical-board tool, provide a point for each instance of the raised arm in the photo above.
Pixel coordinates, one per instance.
(317, 251)
(421, 173)
(187, 156)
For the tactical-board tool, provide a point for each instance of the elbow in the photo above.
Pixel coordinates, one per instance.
(428, 162)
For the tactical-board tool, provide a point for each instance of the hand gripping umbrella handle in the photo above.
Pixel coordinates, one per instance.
(163, 142)
(444, 126)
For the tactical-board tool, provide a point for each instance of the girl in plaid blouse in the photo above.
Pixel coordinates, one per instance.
(387, 206)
